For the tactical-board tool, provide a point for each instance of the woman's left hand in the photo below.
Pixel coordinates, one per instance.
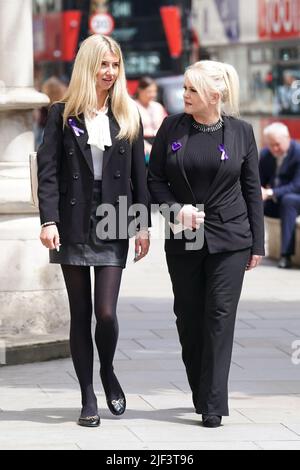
(142, 244)
(253, 262)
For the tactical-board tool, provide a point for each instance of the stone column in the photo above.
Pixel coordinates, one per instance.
(32, 298)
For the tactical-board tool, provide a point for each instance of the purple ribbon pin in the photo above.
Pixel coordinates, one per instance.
(75, 128)
(224, 155)
(176, 146)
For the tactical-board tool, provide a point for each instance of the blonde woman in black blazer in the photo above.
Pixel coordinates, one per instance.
(91, 157)
(208, 156)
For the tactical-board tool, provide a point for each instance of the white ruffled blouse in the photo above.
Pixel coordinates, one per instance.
(99, 137)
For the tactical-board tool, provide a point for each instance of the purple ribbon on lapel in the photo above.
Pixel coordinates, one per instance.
(176, 146)
(75, 128)
(224, 155)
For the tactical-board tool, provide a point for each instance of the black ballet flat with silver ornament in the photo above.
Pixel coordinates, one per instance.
(115, 397)
(117, 407)
(89, 421)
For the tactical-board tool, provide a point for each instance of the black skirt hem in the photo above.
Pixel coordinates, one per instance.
(84, 263)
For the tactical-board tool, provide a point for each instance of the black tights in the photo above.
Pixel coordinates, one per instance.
(106, 291)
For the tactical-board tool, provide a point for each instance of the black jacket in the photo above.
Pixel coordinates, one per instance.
(233, 204)
(66, 175)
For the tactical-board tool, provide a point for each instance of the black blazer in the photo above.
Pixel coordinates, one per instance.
(66, 175)
(288, 175)
(233, 204)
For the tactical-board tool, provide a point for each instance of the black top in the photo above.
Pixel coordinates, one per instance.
(202, 160)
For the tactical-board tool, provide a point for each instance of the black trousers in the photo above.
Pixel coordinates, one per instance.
(207, 290)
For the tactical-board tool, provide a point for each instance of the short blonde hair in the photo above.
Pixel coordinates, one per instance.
(208, 76)
(81, 95)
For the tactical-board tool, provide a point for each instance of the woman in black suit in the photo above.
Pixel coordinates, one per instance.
(207, 156)
(90, 164)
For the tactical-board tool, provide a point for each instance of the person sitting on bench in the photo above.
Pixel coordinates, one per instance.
(279, 168)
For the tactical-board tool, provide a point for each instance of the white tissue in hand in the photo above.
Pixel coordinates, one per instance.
(176, 228)
(186, 216)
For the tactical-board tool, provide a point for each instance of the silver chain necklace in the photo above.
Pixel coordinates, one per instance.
(207, 128)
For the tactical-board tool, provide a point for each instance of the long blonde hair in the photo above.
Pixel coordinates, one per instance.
(81, 95)
(208, 76)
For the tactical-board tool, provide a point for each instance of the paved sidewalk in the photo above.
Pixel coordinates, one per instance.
(39, 403)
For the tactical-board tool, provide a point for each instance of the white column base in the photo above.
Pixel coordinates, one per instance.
(33, 297)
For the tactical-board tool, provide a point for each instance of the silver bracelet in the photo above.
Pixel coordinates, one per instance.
(46, 224)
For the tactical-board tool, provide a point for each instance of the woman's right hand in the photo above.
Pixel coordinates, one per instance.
(190, 217)
(50, 237)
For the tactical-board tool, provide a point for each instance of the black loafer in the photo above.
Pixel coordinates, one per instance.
(211, 421)
(89, 421)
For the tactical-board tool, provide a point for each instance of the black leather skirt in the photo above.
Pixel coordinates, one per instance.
(95, 252)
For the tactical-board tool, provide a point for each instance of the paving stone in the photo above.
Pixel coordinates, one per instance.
(240, 432)
(279, 445)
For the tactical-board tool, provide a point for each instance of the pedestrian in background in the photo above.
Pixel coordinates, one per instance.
(279, 167)
(286, 96)
(208, 156)
(55, 89)
(152, 113)
(92, 154)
